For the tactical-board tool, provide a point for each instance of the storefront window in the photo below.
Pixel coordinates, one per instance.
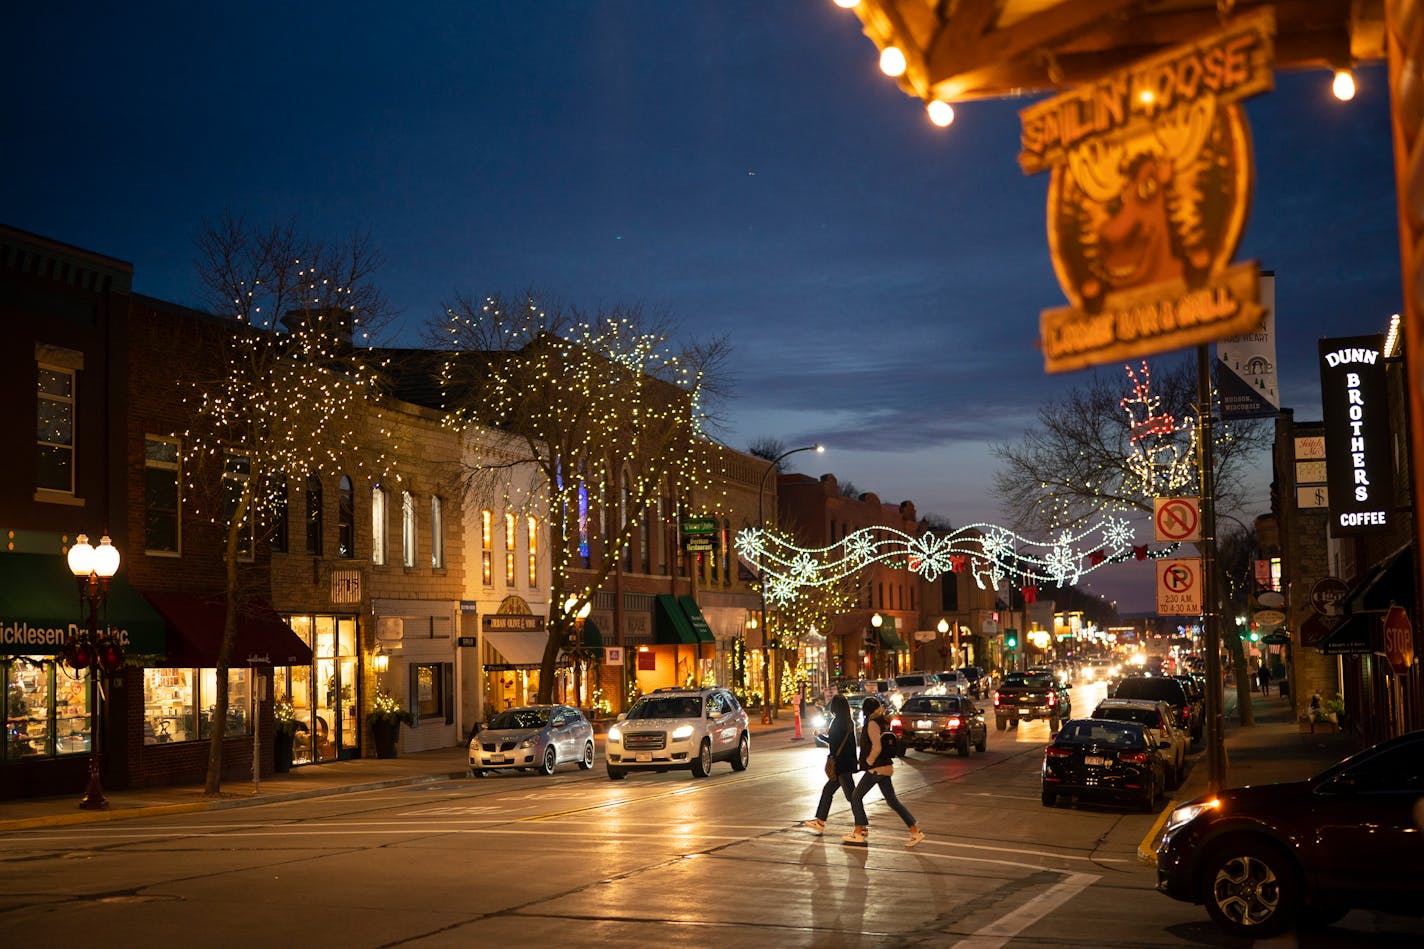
(179, 704)
(46, 708)
(323, 696)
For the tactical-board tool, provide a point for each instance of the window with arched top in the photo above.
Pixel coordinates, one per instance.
(314, 516)
(345, 519)
(437, 533)
(378, 525)
(407, 529)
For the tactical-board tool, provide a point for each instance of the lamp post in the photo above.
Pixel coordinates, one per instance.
(766, 706)
(876, 621)
(576, 640)
(89, 650)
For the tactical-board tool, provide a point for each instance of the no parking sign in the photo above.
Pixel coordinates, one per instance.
(1179, 589)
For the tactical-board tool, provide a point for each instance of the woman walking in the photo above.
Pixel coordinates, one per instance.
(878, 763)
(844, 754)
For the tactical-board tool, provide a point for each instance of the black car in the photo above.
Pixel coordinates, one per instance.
(941, 722)
(1104, 760)
(1273, 856)
(1166, 689)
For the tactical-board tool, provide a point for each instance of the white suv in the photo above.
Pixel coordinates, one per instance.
(671, 729)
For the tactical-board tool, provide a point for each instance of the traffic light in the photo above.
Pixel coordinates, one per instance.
(1011, 641)
(1255, 636)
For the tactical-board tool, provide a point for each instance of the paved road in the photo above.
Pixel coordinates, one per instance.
(579, 860)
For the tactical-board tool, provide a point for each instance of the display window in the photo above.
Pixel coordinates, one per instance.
(323, 696)
(46, 708)
(180, 704)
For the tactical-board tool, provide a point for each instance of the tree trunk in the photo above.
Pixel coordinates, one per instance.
(1244, 710)
(213, 783)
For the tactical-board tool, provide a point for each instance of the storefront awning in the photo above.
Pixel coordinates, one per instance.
(1388, 583)
(40, 606)
(890, 640)
(1350, 638)
(195, 623)
(592, 635)
(517, 647)
(700, 627)
(671, 626)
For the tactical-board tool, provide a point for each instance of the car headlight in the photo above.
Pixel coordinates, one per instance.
(615, 734)
(529, 742)
(681, 732)
(1187, 813)
(818, 721)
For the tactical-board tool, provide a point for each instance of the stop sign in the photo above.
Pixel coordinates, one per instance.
(1398, 639)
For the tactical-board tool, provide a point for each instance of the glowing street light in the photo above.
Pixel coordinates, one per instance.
(90, 650)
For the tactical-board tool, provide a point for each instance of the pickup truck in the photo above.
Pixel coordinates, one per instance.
(1027, 696)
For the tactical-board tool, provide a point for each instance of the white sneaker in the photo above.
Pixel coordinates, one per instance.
(814, 826)
(915, 837)
(856, 838)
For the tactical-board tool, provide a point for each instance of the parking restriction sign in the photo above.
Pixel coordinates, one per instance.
(1179, 587)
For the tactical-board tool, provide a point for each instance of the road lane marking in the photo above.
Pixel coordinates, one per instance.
(1000, 931)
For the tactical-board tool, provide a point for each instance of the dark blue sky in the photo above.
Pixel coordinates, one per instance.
(740, 164)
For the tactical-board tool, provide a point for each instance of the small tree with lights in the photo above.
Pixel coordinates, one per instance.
(286, 395)
(606, 418)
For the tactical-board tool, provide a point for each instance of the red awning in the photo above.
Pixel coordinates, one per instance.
(195, 627)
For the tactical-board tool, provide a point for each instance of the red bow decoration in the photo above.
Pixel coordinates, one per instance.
(1030, 595)
(1097, 557)
(1140, 552)
(956, 563)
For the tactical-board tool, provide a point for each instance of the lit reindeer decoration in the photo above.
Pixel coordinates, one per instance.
(1157, 462)
(1132, 207)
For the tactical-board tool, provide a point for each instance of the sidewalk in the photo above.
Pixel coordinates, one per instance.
(337, 777)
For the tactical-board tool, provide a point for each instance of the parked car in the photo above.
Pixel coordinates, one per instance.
(1195, 686)
(1156, 717)
(886, 692)
(980, 682)
(941, 722)
(1266, 858)
(1103, 760)
(536, 737)
(670, 729)
(1165, 689)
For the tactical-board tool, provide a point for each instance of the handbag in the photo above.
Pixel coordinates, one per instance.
(831, 772)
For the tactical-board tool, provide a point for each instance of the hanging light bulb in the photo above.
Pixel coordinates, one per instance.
(892, 61)
(941, 113)
(1344, 85)
(847, 4)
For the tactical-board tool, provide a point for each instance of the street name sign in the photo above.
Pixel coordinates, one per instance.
(699, 525)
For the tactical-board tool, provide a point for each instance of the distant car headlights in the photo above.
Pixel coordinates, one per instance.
(682, 733)
(1181, 816)
(818, 721)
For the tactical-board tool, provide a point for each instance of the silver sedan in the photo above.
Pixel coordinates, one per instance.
(536, 737)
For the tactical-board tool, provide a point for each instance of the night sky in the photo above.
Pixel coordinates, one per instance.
(741, 165)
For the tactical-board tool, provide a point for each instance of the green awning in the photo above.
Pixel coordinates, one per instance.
(889, 640)
(40, 606)
(700, 629)
(592, 635)
(671, 626)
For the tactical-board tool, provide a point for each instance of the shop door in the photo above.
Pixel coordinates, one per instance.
(337, 672)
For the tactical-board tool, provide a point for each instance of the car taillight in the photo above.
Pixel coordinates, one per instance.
(1186, 717)
(1133, 757)
(996, 696)
(952, 723)
(896, 725)
(1054, 752)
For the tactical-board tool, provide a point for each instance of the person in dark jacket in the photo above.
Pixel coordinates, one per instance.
(845, 751)
(878, 764)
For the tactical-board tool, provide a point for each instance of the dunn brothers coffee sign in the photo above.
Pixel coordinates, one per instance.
(1151, 182)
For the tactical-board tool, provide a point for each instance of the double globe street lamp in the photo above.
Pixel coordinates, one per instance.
(89, 650)
(766, 701)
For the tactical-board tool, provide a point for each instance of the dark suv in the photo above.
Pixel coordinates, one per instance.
(1164, 689)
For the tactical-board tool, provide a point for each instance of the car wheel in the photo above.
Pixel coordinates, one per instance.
(744, 754)
(476, 773)
(586, 761)
(1174, 778)
(1250, 889)
(1000, 724)
(982, 745)
(1013, 723)
(963, 745)
(551, 758)
(1049, 798)
(616, 774)
(1149, 794)
(702, 764)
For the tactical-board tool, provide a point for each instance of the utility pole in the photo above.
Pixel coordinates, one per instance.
(1216, 719)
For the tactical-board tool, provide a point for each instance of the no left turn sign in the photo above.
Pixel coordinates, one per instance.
(1179, 587)
(1177, 519)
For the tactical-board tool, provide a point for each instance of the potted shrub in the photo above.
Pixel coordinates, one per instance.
(386, 717)
(288, 725)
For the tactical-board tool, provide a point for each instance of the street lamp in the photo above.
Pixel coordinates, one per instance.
(766, 707)
(576, 652)
(876, 621)
(89, 650)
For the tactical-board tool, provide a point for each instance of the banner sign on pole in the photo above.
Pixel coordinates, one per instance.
(1246, 365)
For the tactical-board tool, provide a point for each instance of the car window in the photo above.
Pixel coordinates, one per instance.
(909, 681)
(520, 718)
(1120, 734)
(667, 706)
(1398, 769)
(1143, 716)
(714, 704)
(931, 705)
(730, 701)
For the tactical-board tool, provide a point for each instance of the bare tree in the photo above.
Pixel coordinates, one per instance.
(1235, 547)
(286, 395)
(1103, 448)
(602, 408)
